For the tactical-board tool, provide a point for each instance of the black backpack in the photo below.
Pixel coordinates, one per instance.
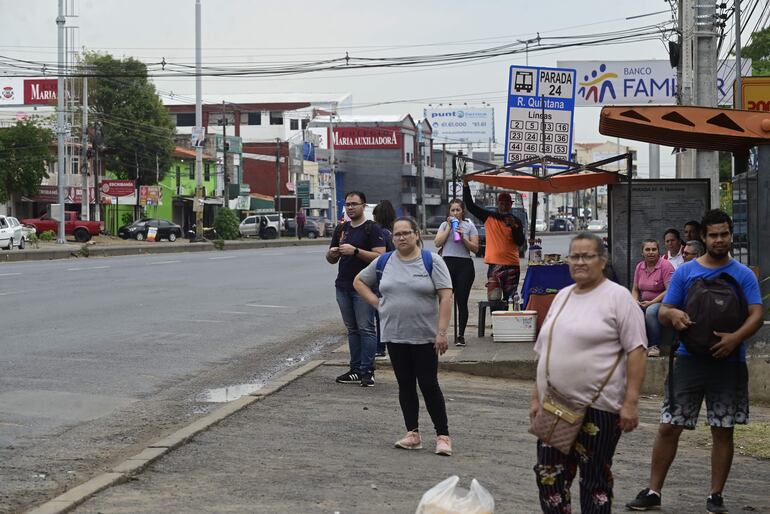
(715, 304)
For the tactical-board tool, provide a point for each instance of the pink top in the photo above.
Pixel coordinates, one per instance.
(587, 337)
(652, 283)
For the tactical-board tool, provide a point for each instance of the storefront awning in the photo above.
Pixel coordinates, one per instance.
(553, 184)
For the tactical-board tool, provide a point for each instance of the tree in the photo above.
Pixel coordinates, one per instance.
(137, 129)
(24, 151)
(226, 224)
(759, 52)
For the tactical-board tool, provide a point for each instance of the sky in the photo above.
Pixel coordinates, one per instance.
(252, 32)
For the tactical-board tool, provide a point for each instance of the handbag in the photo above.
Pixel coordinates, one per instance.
(559, 419)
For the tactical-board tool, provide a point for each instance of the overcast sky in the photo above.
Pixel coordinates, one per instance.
(261, 31)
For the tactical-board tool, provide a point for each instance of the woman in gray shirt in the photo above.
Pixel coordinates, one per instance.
(415, 307)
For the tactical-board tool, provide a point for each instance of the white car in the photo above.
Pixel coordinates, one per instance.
(540, 226)
(11, 233)
(265, 226)
(597, 225)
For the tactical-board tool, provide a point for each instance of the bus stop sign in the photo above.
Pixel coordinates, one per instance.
(541, 104)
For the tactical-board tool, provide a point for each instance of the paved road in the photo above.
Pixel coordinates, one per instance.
(97, 355)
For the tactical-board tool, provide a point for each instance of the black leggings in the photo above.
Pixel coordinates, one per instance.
(418, 364)
(463, 273)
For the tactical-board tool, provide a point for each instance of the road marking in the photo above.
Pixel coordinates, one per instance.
(7, 293)
(268, 306)
(85, 269)
(204, 320)
(161, 262)
(271, 254)
(9, 274)
(233, 312)
(220, 258)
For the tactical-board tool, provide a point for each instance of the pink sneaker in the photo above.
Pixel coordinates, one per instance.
(411, 441)
(443, 445)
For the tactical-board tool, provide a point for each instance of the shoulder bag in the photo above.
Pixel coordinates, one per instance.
(559, 419)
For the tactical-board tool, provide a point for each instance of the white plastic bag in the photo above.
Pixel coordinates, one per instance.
(446, 498)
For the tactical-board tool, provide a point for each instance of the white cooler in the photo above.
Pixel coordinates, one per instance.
(514, 326)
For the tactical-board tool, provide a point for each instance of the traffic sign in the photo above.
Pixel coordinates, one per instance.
(541, 104)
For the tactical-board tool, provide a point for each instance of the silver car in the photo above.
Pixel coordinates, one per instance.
(11, 233)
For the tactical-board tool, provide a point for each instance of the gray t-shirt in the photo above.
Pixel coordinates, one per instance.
(454, 248)
(409, 304)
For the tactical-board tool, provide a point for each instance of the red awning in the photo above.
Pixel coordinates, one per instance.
(553, 184)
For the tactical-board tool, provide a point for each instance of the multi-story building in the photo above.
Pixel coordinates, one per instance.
(383, 156)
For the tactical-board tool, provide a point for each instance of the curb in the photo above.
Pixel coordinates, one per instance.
(148, 248)
(120, 473)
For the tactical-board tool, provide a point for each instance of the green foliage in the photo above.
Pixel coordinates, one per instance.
(219, 244)
(136, 126)
(759, 52)
(725, 167)
(226, 224)
(48, 235)
(84, 251)
(24, 150)
(127, 218)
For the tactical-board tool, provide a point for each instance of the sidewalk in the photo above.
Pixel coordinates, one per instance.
(318, 446)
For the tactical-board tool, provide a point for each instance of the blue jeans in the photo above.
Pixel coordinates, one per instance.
(657, 334)
(358, 317)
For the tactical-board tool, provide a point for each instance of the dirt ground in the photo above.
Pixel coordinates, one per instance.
(317, 446)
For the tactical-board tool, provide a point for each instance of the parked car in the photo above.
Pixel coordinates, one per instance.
(540, 226)
(597, 225)
(324, 223)
(433, 223)
(561, 225)
(264, 226)
(312, 229)
(73, 225)
(139, 229)
(11, 233)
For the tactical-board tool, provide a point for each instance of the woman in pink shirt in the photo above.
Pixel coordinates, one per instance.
(651, 280)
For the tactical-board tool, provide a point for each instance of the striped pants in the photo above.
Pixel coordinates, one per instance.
(592, 454)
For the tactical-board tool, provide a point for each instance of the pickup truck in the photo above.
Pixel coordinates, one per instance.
(73, 225)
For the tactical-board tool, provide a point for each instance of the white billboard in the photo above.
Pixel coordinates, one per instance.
(11, 91)
(461, 124)
(640, 82)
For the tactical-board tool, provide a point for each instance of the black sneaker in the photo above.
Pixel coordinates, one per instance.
(645, 500)
(715, 504)
(351, 377)
(367, 379)
(380, 355)
(460, 341)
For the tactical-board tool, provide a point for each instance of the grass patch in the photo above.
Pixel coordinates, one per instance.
(752, 440)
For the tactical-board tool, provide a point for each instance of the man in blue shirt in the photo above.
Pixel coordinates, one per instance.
(354, 245)
(723, 380)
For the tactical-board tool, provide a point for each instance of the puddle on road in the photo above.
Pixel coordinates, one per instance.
(230, 393)
(235, 391)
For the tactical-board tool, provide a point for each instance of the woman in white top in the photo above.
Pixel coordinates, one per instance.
(591, 326)
(457, 245)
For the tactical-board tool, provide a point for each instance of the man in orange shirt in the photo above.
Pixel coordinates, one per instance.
(505, 233)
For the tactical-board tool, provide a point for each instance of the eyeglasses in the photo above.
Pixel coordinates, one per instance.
(584, 257)
(353, 204)
(690, 254)
(403, 235)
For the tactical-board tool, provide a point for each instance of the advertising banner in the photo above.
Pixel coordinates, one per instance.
(16, 91)
(640, 82)
(756, 93)
(149, 195)
(72, 194)
(11, 91)
(364, 138)
(117, 187)
(461, 125)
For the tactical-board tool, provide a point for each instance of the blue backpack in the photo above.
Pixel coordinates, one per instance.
(382, 260)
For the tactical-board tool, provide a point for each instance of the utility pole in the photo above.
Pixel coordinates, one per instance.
(61, 130)
(421, 181)
(84, 203)
(225, 181)
(740, 162)
(332, 167)
(278, 175)
(198, 205)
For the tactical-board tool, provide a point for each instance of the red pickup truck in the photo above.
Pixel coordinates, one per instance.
(73, 225)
